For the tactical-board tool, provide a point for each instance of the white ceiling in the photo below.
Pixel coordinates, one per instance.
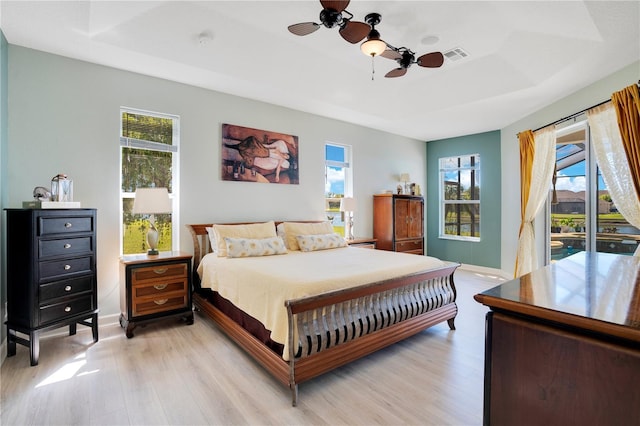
(524, 55)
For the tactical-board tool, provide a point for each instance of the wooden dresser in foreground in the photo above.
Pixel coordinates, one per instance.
(563, 344)
(51, 274)
(398, 223)
(154, 287)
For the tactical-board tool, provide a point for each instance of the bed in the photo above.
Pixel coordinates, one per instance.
(314, 306)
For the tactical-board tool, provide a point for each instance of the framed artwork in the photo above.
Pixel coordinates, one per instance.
(253, 155)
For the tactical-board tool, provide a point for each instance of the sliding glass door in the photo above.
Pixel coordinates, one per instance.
(582, 215)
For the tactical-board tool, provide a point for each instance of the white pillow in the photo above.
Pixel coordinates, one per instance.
(320, 242)
(251, 230)
(293, 229)
(251, 247)
(212, 239)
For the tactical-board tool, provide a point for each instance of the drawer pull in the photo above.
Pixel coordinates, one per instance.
(67, 309)
(161, 301)
(160, 271)
(67, 267)
(68, 225)
(67, 288)
(160, 286)
(67, 246)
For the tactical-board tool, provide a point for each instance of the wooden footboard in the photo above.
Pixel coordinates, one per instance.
(332, 329)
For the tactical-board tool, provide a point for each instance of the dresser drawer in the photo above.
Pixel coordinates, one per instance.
(159, 304)
(65, 268)
(60, 311)
(65, 246)
(160, 289)
(158, 272)
(65, 225)
(410, 246)
(65, 288)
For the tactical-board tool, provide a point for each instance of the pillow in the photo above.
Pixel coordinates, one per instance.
(251, 230)
(293, 229)
(212, 238)
(320, 242)
(252, 247)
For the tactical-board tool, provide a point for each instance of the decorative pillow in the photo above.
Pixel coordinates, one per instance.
(293, 229)
(320, 242)
(212, 238)
(251, 230)
(251, 247)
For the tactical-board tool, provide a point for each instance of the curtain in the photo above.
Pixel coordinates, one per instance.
(537, 162)
(612, 160)
(627, 104)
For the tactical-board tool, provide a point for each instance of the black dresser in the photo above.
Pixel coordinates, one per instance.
(51, 274)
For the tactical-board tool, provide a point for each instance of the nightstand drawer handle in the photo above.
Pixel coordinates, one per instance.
(160, 286)
(67, 309)
(68, 225)
(67, 245)
(160, 271)
(67, 288)
(161, 301)
(67, 267)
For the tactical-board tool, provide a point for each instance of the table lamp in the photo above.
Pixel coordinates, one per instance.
(404, 177)
(348, 206)
(152, 201)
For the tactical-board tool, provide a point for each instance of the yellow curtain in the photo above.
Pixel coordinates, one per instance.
(627, 105)
(527, 151)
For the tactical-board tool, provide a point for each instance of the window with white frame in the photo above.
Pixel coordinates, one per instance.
(337, 182)
(460, 197)
(148, 159)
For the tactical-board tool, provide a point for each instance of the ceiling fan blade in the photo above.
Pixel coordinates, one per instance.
(431, 60)
(338, 5)
(354, 32)
(391, 54)
(303, 28)
(398, 72)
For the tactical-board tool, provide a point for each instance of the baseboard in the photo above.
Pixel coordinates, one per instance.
(491, 272)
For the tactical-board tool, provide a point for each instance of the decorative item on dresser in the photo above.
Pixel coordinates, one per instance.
(152, 201)
(51, 274)
(154, 287)
(398, 223)
(348, 206)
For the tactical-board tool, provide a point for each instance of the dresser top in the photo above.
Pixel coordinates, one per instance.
(594, 291)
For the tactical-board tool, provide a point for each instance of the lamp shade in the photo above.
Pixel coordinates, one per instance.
(348, 204)
(373, 47)
(151, 200)
(404, 177)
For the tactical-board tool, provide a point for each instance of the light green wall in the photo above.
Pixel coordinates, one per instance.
(3, 169)
(65, 118)
(578, 101)
(485, 252)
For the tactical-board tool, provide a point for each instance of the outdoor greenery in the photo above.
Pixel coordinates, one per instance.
(135, 236)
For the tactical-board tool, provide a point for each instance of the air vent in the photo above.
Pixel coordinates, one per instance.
(456, 54)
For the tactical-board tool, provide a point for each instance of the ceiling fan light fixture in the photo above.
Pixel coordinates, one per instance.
(373, 47)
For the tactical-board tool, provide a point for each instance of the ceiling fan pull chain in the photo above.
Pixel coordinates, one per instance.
(373, 67)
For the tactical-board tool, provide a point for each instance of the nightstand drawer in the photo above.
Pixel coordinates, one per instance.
(160, 289)
(160, 304)
(59, 311)
(409, 246)
(65, 288)
(158, 272)
(65, 246)
(65, 267)
(65, 225)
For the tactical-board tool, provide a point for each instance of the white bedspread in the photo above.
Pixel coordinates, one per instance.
(261, 285)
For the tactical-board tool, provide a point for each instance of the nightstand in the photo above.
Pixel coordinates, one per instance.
(154, 287)
(363, 242)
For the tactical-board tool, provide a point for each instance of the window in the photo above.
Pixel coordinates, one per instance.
(337, 182)
(460, 197)
(582, 214)
(148, 158)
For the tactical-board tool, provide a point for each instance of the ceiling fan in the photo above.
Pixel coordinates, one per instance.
(334, 14)
(405, 58)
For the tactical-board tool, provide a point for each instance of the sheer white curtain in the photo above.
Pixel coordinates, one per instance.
(612, 160)
(541, 174)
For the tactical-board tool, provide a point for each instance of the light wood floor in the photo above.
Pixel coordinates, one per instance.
(171, 373)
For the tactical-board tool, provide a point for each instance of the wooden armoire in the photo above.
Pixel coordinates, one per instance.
(398, 223)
